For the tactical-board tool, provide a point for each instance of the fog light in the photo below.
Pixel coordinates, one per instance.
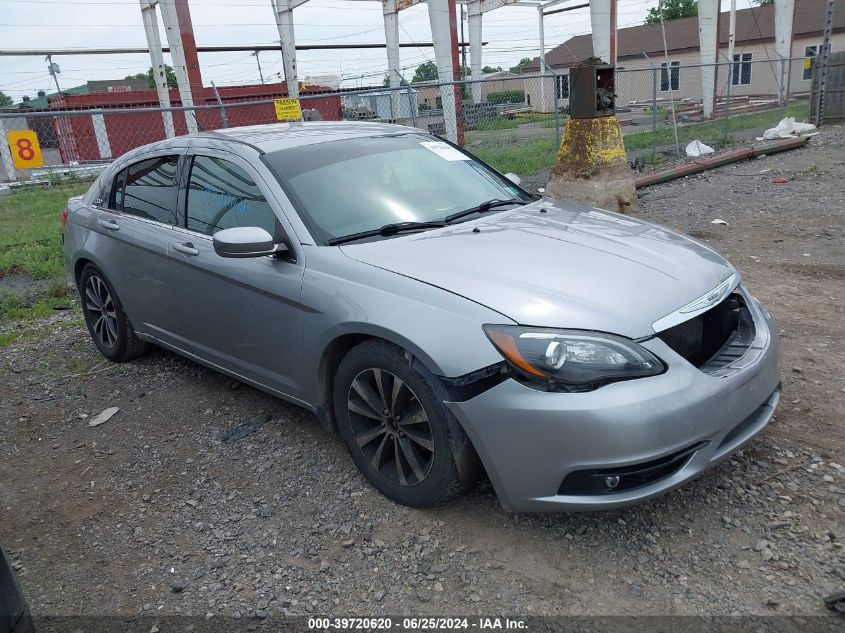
(611, 482)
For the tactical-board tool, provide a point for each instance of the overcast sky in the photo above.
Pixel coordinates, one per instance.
(512, 33)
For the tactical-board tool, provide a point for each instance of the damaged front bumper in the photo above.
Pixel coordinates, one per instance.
(548, 451)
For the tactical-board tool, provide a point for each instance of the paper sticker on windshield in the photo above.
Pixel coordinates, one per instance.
(444, 150)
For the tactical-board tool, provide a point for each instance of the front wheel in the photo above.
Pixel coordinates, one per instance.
(398, 431)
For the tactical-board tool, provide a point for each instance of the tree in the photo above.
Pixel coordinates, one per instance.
(489, 69)
(425, 72)
(672, 10)
(520, 67)
(5, 100)
(760, 3)
(150, 77)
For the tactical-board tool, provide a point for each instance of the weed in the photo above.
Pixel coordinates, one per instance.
(7, 338)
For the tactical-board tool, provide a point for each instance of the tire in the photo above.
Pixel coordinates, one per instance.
(410, 459)
(107, 322)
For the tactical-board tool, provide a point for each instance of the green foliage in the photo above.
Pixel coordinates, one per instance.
(672, 10)
(525, 158)
(489, 69)
(520, 66)
(711, 132)
(150, 76)
(30, 231)
(507, 96)
(5, 100)
(426, 71)
(762, 2)
(7, 338)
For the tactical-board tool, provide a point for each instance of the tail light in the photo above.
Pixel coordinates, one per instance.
(64, 217)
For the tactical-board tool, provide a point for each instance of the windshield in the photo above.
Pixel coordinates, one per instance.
(351, 186)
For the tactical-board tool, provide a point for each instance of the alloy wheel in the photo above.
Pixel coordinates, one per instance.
(101, 311)
(390, 427)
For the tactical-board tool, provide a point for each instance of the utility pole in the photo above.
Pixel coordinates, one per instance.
(54, 70)
(260, 74)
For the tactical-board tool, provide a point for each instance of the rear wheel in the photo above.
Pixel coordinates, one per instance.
(107, 323)
(398, 431)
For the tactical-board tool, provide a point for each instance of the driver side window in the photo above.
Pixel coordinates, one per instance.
(221, 195)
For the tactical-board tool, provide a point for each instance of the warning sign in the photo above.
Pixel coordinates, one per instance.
(26, 153)
(287, 109)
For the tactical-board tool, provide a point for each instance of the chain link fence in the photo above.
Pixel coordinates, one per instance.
(514, 122)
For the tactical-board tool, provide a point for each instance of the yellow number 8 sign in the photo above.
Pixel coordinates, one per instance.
(26, 153)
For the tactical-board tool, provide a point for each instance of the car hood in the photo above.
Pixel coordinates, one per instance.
(558, 264)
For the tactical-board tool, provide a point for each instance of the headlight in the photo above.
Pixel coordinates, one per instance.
(573, 358)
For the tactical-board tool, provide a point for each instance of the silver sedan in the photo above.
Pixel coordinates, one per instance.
(442, 319)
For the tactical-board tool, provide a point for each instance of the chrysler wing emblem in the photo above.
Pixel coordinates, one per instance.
(705, 302)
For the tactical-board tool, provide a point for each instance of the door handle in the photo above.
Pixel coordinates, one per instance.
(186, 247)
(111, 225)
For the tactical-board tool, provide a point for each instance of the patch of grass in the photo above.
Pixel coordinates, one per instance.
(504, 123)
(714, 131)
(7, 338)
(11, 307)
(524, 158)
(30, 230)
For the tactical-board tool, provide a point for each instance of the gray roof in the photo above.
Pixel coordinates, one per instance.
(277, 136)
(752, 26)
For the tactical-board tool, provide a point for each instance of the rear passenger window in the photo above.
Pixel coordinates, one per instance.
(221, 195)
(149, 189)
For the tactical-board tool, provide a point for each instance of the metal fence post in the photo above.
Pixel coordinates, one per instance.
(653, 105)
(6, 154)
(653, 112)
(555, 89)
(223, 119)
(411, 103)
(728, 98)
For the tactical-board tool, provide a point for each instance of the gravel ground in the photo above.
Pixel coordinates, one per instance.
(151, 513)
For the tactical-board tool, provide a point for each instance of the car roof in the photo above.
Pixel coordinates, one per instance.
(279, 136)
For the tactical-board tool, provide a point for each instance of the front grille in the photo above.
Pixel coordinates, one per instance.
(597, 481)
(714, 338)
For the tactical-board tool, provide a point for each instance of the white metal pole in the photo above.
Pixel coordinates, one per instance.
(391, 38)
(177, 55)
(438, 15)
(543, 105)
(708, 20)
(600, 24)
(474, 18)
(148, 15)
(283, 10)
(784, 13)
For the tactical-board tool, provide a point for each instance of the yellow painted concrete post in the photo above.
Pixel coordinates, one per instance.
(591, 166)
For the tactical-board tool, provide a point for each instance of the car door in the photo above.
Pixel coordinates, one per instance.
(133, 222)
(243, 315)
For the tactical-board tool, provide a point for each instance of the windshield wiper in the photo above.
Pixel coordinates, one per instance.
(481, 208)
(387, 230)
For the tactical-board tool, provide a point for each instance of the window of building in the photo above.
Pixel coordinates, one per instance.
(741, 70)
(670, 76)
(221, 195)
(810, 53)
(562, 87)
(148, 189)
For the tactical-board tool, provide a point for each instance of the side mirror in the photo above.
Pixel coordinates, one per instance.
(513, 178)
(245, 241)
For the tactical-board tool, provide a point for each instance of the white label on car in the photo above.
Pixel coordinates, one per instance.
(444, 150)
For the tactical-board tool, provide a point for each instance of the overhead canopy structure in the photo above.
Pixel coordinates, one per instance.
(442, 16)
